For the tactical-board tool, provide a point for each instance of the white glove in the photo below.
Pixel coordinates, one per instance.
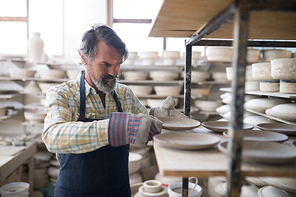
(167, 109)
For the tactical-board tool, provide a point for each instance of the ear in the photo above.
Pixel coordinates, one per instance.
(83, 59)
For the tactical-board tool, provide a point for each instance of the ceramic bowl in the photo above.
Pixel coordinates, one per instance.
(219, 76)
(200, 91)
(163, 75)
(141, 90)
(288, 86)
(21, 73)
(158, 102)
(253, 55)
(271, 54)
(262, 104)
(152, 186)
(170, 54)
(45, 86)
(269, 191)
(225, 95)
(262, 71)
(72, 74)
(223, 109)
(131, 75)
(53, 172)
(255, 120)
(207, 105)
(285, 111)
(223, 54)
(252, 85)
(52, 74)
(175, 190)
(197, 76)
(134, 163)
(283, 68)
(149, 55)
(167, 90)
(269, 85)
(35, 117)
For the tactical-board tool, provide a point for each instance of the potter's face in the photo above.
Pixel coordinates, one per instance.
(104, 67)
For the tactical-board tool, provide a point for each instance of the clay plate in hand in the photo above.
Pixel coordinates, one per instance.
(221, 126)
(186, 140)
(178, 123)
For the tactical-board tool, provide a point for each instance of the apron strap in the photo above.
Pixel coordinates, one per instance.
(82, 99)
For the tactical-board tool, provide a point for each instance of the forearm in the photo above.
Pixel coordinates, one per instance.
(75, 137)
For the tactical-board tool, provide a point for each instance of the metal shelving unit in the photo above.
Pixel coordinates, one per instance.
(239, 20)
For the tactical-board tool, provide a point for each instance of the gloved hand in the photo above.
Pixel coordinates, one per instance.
(166, 109)
(135, 129)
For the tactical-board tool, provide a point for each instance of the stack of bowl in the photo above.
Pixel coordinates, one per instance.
(163, 75)
(35, 116)
(41, 165)
(141, 90)
(21, 73)
(134, 165)
(149, 57)
(52, 74)
(220, 54)
(271, 54)
(170, 57)
(131, 56)
(53, 171)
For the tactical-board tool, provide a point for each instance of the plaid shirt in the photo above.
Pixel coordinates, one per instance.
(63, 134)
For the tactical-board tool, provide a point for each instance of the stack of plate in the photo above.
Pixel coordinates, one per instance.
(21, 73)
(41, 178)
(221, 54)
(163, 75)
(141, 90)
(53, 171)
(269, 191)
(262, 104)
(170, 57)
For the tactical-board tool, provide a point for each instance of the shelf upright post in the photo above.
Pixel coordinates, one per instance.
(187, 98)
(241, 29)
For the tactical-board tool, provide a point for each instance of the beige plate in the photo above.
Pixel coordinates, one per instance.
(287, 129)
(258, 135)
(178, 123)
(221, 126)
(186, 140)
(264, 152)
(287, 184)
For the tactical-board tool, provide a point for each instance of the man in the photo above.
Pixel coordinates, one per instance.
(91, 121)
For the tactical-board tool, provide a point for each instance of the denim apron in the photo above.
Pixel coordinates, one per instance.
(100, 173)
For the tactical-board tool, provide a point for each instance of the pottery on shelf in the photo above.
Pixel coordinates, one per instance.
(170, 57)
(219, 76)
(134, 162)
(253, 55)
(141, 90)
(269, 85)
(283, 68)
(167, 90)
(21, 73)
(52, 74)
(200, 91)
(252, 85)
(262, 71)
(135, 178)
(249, 74)
(262, 104)
(35, 117)
(130, 59)
(285, 111)
(197, 76)
(271, 54)
(288, 86)
(132, 75)
(148, 58)
(163, 75)
(32, 87)
(35, 47)
(255, 120)
(207, 105)
(223, 54)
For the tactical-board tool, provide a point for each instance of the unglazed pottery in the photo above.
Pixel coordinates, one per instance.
(21, 73)
(178, 123)
(283, 68)
(275, 54)
(285, 111)
(35, 117)
(269, 85)
(32, 87)
(175, 190)
(288, 86)
(262, 104)
(207, 105)
(261, 71)
(187, 140)
(252, 85)
(52, 74)
(141, 90)
(35, 47)
(253, 55)
(221, 126)
(132, 75)
(269, 191)
(167, 90)
(287, 129)
(223, 54)
(152, 186)
(163, 75)
(134, 163)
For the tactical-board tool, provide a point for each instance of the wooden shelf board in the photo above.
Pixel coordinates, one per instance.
(211, 162)
(271, 117)
(260, 93)
(178, 18)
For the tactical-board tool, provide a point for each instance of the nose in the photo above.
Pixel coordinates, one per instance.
(113, 70)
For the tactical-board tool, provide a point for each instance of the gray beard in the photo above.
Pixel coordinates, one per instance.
(104, 86)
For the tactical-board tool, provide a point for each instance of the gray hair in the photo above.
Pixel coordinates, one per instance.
(97, 33)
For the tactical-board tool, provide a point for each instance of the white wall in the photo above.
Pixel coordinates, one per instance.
(80, 15)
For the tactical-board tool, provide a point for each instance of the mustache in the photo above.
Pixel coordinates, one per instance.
(111, 77)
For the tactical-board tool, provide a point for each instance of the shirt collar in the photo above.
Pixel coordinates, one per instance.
(88, 88)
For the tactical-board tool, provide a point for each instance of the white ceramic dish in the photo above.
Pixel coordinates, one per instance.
(283, 68)
(207, 105)
(264, 152)
(134, 162)
(265, 136)
(262, 104)
(269, 85)
(53, 172)
(219, 76)
(175, 190)
(223, 109)
(171, 54)
(52, 74)
(197, 76)
(269, 191)
(167, 179)
(163, 75)
(149, 55)
(252, 85)
(287, 184)
(285, 111)
(178, 123)
(287, 129)
(186, 140)
(167, 90)
(221, 126)
(275, 54)
(261, 71)
(143, 193)
(249, 73)
(132, 75)
(256, 119)
(152, 186)
(223, 54)
(141, 90)
(255, 181)
(288, 86)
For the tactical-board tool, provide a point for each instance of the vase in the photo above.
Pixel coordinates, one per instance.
(35, 46)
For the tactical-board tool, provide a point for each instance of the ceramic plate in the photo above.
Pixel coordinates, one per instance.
(186, 140)
(178, 123)
(268, 191)
(258, 135)
(287, 184)
(221, 126)
(287, 129)
(264, 152)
